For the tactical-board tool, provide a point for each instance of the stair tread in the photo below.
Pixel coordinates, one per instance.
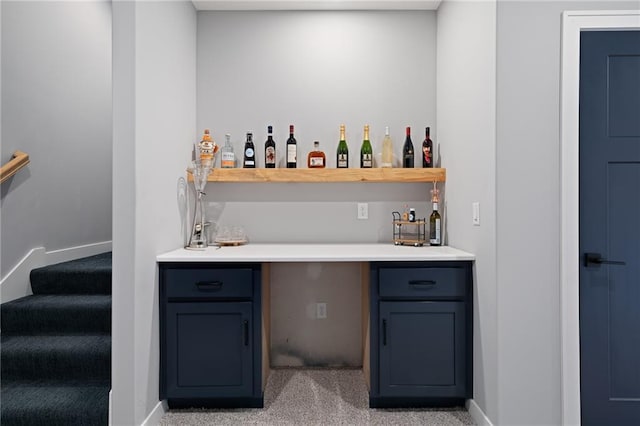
(88, 275)
(76, 343)
(54, 403)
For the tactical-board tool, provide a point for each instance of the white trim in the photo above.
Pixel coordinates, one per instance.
(156, 414)
(476, 413)
(572, 23)
(16, 283)
(64, 255)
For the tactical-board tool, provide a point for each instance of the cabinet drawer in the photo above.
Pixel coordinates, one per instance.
(209, 283)
(422, 282)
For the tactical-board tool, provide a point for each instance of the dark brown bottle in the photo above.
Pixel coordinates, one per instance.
(270, 150)
(427, 149)
(407, 151)
(292, 150)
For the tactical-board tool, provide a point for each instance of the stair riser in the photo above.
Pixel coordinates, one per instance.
(30, 322)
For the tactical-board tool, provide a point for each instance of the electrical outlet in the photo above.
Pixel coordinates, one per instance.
(363, 211)
(321, 310)
(476, 213)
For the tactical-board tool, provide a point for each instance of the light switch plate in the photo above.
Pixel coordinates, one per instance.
(476, 213)
(363, 211)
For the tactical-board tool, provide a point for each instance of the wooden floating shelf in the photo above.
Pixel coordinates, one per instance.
(378, 175)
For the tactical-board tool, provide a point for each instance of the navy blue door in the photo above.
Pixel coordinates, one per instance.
(610, 227)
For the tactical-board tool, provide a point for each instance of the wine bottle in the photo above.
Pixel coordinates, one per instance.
(249, 153)
(387, 149)
(316, 158)
(366, 152)
(435, 230)
(292, 148)
(342, 160)
(407, 151)
(427, 150)
(270, 150)
(228, 159)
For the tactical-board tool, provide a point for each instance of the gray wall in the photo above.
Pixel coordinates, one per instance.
(316, 70)
(528, 200)
(466, 137)
(56, 107)
(154, 124)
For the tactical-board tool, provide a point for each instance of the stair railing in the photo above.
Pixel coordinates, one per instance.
(18, 161)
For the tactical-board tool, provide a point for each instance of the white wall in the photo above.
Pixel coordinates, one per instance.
(466, 137)
(154, 96)
(56, 107)
(528, 200)
(315, 70)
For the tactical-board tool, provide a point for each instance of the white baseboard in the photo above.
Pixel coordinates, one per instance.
(16, 283)
(154, 417)
(476, 413)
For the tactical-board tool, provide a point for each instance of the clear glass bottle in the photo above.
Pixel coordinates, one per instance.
(342, 156)
(316, 158)
(228, 159)
(387, 149)
(366, 152)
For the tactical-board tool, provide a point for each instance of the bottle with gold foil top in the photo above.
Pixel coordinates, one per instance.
(435, 220)
(366, 152)
(342, 160)
(207, 148)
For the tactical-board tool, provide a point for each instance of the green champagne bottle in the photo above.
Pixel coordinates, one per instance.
(366, 152)
(342, 160)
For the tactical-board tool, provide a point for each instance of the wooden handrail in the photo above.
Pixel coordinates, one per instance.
(19, 160)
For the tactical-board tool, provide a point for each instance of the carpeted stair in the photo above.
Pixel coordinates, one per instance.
(56, 347)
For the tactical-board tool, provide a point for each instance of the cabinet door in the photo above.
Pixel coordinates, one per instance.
(209, 350)
(422, 349)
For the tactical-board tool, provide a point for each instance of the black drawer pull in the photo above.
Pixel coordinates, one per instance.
(422, 283)
(209, 285)
(384, 332)
(246, 332)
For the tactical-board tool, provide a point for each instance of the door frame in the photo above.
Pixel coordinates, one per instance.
(573, 22)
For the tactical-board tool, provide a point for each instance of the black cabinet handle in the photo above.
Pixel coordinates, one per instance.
(596, 259)
(384, 332)
(246, 332)
(422, 283)
(209, 285)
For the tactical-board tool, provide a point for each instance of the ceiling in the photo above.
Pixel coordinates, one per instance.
(316, 4)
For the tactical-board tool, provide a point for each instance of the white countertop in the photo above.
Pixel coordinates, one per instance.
(253, 252)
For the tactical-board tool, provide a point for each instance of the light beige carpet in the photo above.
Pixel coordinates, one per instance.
(317, 397)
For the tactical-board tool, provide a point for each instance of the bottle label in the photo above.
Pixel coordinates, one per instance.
(227, 160)
(248, 152)
(270, 155)
(435, 233)
(426, 150)
(291, 153)
(367, 161)
(343, 160)
(317, 162)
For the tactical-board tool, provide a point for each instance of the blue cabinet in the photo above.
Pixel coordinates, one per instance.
(210, 341)
(421, 334)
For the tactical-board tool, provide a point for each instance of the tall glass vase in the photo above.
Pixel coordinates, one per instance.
(198, 237)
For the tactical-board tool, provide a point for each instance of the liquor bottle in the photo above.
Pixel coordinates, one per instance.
(407, 151)
(387, 149)
(270, 150)
(316, 158)
(228, 159)
(427, 149)
(366, 152)
(207, 148)
(435, 229)
(342, 160)
(249, 153)
(292, 147)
